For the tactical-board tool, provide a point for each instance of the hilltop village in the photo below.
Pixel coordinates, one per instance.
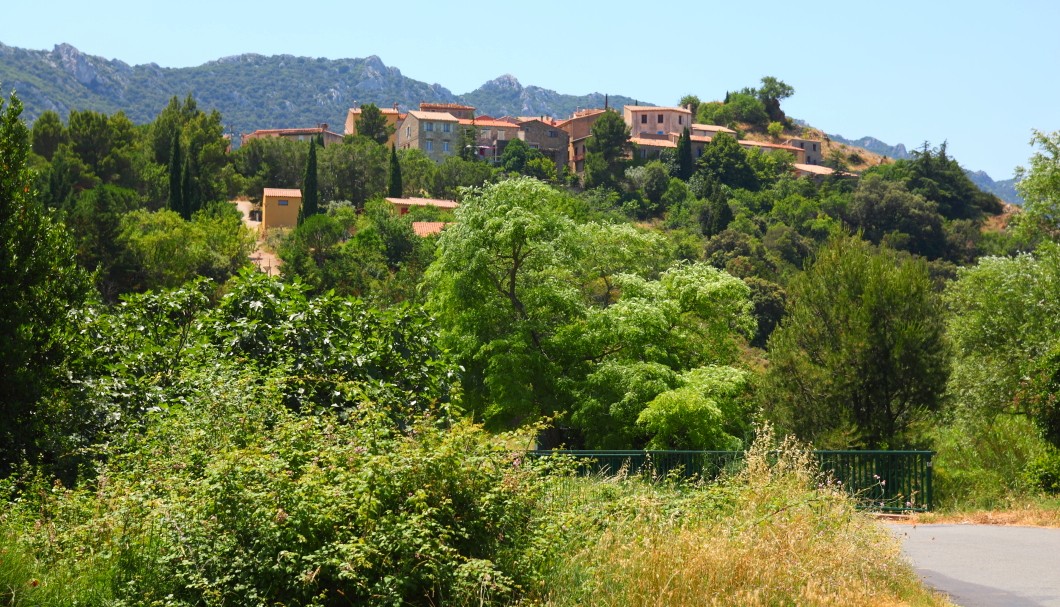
(442, 130)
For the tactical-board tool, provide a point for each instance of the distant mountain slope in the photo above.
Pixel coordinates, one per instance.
(253, 91)
(1005, 190)
(505, 96)
(898, 152)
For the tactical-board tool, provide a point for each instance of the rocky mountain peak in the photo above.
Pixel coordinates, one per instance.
(507, 82)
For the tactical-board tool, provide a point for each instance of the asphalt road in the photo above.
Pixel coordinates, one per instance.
(986, 565)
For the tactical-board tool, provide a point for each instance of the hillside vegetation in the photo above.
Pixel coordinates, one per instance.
(177, 428)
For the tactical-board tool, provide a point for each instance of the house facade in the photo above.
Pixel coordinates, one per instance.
(545, 136)
(578, 128)
(811, 149)
(436, 133)
(279, 208)
(646, 120)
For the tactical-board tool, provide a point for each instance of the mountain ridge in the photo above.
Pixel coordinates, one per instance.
(254, 91)
(244, 89)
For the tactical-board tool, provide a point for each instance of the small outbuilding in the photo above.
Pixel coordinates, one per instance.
(279, 208)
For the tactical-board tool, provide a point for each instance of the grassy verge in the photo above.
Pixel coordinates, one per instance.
(768, 536)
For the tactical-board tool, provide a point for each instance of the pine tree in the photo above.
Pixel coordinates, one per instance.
(310, 202)
(394, 185)
(176, 194)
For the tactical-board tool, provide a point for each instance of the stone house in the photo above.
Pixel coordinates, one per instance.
(436, 133)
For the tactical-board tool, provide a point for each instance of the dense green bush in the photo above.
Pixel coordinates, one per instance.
(233, 499)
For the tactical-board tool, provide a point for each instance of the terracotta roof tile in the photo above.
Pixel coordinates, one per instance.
(440, 116)
(428, 228)
(282, 192)
(653, 143)
(423, 202)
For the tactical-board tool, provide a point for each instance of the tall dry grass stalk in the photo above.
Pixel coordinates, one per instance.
(774, 533)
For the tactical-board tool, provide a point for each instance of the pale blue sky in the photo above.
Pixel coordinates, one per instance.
(979, 74)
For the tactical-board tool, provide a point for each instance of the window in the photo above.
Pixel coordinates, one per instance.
(430, 145)
(408, 132)
(680, 120)
(815, 147)
(660, 120)
(644, 153)
(445, 146)
(447, 128)
(644, 119)
(428, 126)
(552, 134)
(281, 203)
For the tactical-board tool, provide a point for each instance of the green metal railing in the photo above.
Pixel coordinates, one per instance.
(890, 481)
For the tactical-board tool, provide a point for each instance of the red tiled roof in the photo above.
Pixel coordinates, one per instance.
(441, 116)
(385, 110)
(315, 130)
(762, 144)
(282, 192)
(653, 143)
(500, 124)
(814, 169)
(423, 202)
(428, 228)
(652, 108)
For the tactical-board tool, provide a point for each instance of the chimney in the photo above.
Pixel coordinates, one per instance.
(605, 101)
(395, 106)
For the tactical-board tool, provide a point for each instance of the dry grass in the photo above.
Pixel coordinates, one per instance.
(1027, 516)
(768, 536)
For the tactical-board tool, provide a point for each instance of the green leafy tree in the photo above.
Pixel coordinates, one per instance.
(889, 214)
(607, 147)
(373, 124)
(708, 410)
(1005, 325)
(516, 154)
(455, 173)
(771, 93)
(417, 172)
(1040, 187)
(40, 283)
(860, 355)
(355, 170)
(394, 187)
(546, 315)
(724, 161)
(310, 193)
(691, 102)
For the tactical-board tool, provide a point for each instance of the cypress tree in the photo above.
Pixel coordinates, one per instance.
(187, 187)
(684, 155)
(176, 194)
(309, 185)
(394, 185)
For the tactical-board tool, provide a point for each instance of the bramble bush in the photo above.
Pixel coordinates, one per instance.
(234, 499)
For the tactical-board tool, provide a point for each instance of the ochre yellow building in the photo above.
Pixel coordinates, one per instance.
(279, 208)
